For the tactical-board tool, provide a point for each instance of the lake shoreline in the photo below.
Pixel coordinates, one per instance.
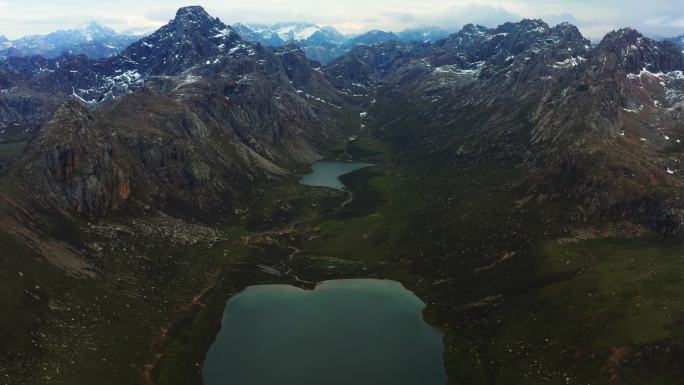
(326, 315)
(327, 173)
(234, 283)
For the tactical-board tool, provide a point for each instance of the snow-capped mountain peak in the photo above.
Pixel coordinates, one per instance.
(93, 39)
(94, 30)
(324, 44)
(291, 31)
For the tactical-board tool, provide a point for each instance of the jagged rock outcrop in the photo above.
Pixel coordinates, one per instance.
(75, 162)
(636, 53)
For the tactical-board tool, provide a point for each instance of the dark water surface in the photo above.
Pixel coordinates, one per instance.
(327, 173)
(345, 332)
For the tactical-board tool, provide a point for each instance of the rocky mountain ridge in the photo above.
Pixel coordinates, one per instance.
(606, 115)
(214, 113)
(523, 72)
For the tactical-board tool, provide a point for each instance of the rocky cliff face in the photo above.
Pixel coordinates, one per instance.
(75, 163)
(613, 127)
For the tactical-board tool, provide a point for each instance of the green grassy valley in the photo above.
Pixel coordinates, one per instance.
(523, 296)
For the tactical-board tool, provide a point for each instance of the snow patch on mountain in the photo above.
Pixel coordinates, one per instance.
(287, 32)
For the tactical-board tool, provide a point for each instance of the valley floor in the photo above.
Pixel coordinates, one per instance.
(524, 294)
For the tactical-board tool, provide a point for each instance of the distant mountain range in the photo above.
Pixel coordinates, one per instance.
(93, 40)
(324, 44)
(678, 41)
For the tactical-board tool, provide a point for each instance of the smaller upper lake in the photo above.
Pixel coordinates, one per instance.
(327, 173)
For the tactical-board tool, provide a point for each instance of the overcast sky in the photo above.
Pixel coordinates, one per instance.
(594, 17)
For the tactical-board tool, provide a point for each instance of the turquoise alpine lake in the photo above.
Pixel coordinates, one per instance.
(344, 332)
(327, 173)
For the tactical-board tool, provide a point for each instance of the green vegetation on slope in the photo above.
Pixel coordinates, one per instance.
(521, 300)
(521, 297)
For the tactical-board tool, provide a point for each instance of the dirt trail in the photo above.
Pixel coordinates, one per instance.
(158, 342)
